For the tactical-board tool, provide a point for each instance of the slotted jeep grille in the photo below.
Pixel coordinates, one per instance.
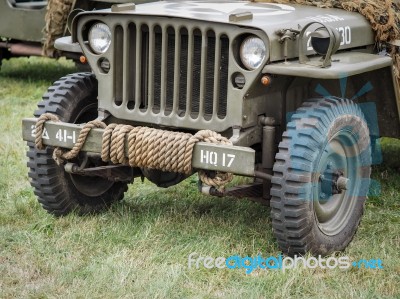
(172, 72)
(175, 71)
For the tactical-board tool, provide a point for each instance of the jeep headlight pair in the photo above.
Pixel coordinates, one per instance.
(99, 38)
(252, 49)
(252, 52)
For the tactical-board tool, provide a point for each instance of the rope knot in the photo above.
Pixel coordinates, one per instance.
(59, 155)
(39, 128)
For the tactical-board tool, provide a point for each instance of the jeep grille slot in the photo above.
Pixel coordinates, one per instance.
(118, 76)
(170, 70)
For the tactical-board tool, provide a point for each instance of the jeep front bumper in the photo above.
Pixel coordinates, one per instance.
(207, 156)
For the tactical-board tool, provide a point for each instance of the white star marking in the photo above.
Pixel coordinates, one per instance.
(210, 8)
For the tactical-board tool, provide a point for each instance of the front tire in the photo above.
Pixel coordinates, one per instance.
(74, 100)
(321, 177)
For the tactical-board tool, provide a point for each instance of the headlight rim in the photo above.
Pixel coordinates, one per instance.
(241, 53)
(90, 43)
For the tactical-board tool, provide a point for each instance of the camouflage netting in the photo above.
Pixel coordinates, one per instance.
(384, 16)
(56, 22)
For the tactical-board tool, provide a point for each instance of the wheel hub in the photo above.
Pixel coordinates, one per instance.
(336, 172)
(332, 182)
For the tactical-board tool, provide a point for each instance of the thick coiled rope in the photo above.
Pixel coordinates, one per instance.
(147, 148)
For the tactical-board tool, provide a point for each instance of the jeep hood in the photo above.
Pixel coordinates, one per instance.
(268, 17)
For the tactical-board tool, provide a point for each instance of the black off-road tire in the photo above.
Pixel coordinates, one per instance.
(73, 99)
(326, 138)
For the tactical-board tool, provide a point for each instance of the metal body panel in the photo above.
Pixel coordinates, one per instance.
(235, 159)
(21, 23)
(65, 44)
(345, 65)
(268, 17)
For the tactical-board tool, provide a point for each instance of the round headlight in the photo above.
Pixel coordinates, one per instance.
(252, 52)
(99, 38)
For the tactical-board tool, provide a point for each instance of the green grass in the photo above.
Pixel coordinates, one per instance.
(140, 247)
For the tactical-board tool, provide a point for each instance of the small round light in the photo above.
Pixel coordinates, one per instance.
(83, 59)
(99, 38)
(252, 52)
(239, 80)
(104, 65)
(266, 80)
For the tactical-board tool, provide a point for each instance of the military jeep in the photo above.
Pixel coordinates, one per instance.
(292, 96)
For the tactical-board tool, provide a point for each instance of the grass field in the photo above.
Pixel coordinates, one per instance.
(140, 247)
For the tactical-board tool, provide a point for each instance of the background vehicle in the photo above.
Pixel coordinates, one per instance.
(29, 28)
(296, 92)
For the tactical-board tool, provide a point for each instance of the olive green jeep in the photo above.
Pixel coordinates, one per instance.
(293, 96)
